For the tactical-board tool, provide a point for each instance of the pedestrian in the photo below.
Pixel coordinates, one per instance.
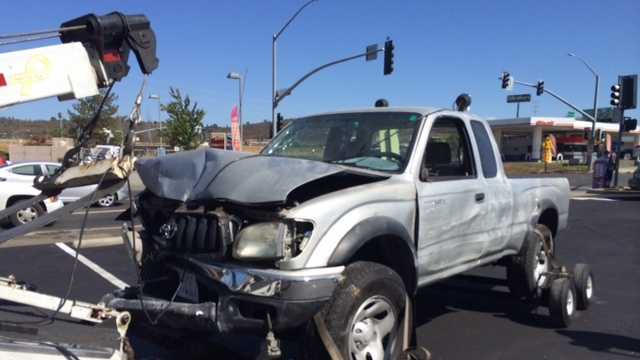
(3, 161)
(610, 167)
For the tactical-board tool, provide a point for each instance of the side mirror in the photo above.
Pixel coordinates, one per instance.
(424, 174)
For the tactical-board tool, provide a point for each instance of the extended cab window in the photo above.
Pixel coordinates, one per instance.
(487, 156)
(29, 170)
(448, 153)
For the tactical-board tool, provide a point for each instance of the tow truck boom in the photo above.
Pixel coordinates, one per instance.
(94, 54)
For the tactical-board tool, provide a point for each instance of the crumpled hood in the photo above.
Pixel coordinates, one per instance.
(234, 176)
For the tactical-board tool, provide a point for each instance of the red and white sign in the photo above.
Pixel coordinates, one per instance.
(235, 130)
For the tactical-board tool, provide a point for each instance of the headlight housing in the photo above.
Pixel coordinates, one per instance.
(261, 241)
(271, 240)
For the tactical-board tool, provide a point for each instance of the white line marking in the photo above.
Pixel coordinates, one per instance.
(93, 266)
(592, 198)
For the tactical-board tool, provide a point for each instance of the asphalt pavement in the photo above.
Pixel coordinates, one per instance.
(471, 316)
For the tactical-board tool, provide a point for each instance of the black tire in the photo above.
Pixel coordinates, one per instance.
(562, 295)
(16, 219)
(363, 282)
(521, 277)
(584, 282)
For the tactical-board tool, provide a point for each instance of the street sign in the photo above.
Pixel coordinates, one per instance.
(519, 98)
(372, 52)
(571, 114)
(604, 114)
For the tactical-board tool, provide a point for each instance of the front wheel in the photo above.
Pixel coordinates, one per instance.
(107, 201)
(364, 316)
(26, 215)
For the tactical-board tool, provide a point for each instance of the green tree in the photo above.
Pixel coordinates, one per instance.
(84, 110)
(184, 127)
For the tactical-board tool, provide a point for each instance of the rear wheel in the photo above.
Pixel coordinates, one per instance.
(26, 215)
(526, 271)
(364, 316)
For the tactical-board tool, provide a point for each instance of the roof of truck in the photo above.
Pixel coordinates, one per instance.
(424, 110)
(415, 109)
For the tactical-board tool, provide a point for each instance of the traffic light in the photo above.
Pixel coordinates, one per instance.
(540, 88)
(630, 124)
(507, 82)
(388, 57)
(629, 95)
(279, 122)
(615, 95)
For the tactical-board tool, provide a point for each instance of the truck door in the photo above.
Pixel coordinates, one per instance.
(498, 194)
(451, 199)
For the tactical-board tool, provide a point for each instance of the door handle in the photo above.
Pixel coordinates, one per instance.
(479, 197)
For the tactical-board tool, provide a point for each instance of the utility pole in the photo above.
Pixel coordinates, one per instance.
(274, 105)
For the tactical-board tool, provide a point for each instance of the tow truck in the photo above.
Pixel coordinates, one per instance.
(93, 56)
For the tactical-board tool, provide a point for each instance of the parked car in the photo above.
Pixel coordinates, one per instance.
(341, 215)
(25, 172)
(14, 191)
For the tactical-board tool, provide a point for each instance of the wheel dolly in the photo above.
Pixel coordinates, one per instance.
(563, 292)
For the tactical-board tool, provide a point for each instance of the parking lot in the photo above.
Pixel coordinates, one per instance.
(471, 316)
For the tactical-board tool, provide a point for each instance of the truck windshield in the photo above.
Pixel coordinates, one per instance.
(379, 141)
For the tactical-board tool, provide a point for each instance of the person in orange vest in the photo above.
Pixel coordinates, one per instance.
(548, 150)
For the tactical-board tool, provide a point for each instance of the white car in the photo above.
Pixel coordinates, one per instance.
(14, 191)
(25, 172)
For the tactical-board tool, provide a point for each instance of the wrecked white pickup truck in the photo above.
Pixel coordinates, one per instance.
(342, 214)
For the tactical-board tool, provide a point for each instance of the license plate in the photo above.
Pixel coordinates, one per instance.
(189, 288)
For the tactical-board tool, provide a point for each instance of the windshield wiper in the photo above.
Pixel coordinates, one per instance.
(356, 164)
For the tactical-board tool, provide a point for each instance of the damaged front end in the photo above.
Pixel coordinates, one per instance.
(216, 228)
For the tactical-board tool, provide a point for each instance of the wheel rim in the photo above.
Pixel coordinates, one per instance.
(589, 289)
(106, 201)
(372, 329)
(26, 215)
(542, 266)
(570, 304)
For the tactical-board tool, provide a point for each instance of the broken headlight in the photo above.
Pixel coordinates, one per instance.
(271, 240)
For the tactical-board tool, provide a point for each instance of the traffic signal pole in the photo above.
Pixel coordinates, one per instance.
(561, 99)
(618, 147)
(281, 95)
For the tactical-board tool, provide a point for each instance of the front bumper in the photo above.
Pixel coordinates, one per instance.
(242, 296)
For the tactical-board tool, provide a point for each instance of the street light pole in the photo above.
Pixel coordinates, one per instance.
(157, 97)
(274, 39)
(595, 110)
(240, 78)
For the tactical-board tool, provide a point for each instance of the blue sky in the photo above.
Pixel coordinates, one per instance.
(443, 48)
